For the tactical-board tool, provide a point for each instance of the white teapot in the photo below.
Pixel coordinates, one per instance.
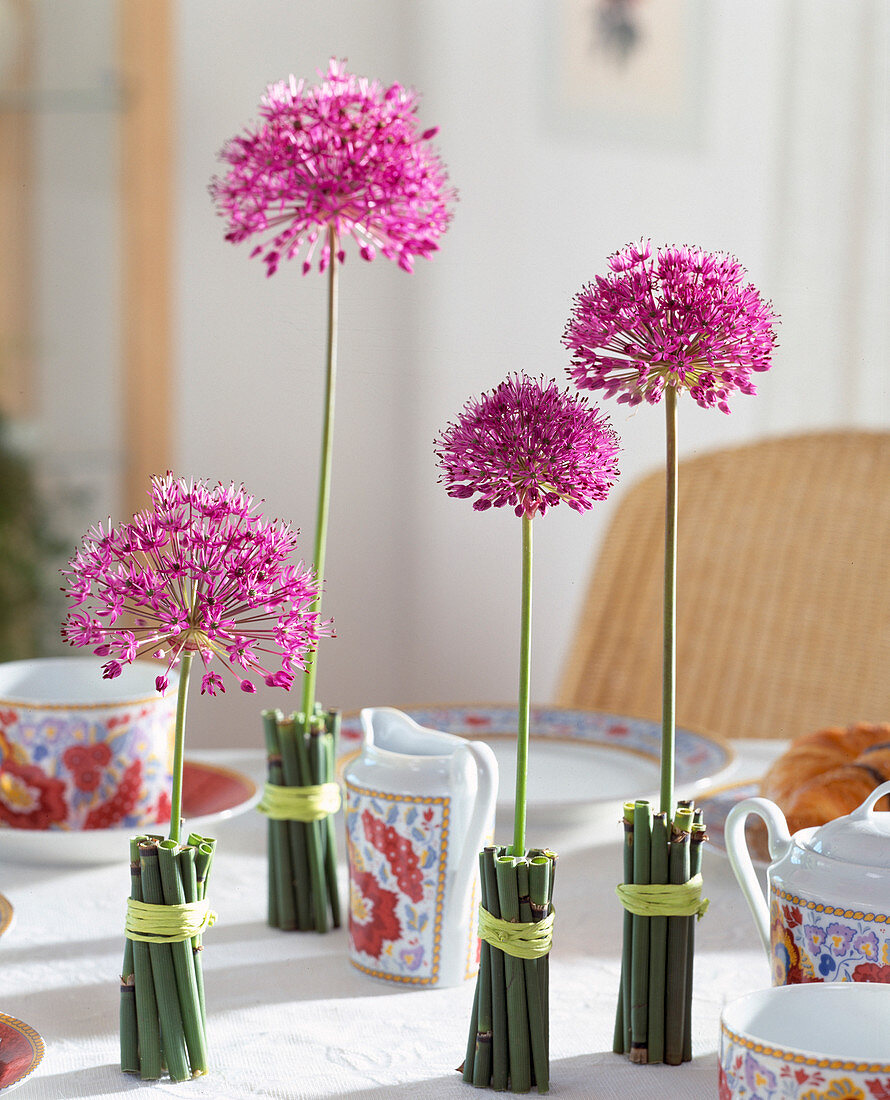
(829, 893)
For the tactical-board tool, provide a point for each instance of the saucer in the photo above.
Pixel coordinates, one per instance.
(21, 1051)
(210, 794)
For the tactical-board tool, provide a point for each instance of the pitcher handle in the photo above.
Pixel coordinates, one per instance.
(779, 840)
(480, 821)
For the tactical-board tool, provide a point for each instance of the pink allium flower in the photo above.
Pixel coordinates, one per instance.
(202, 573)
(685, 319)
(529, 445)
(346, 153)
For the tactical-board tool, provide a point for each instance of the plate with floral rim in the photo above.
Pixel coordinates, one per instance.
(210, 794)
(580, 761)
(716, 804)
(21, 1051)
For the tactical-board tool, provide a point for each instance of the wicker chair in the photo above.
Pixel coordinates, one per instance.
(783, 618)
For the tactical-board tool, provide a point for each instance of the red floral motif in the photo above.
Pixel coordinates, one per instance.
(724, 1091)
(880, 1090)
(792, 916)
(382, 921)
(785, 956)
(871, 972)
(87, 764)
(121, 802)
(29, 799)
(399, 854)
(163, 808)
(7, 717)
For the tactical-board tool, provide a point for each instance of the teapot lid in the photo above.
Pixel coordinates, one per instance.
(861, 837)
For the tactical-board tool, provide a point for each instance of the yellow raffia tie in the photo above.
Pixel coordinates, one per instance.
(522, 940)
(300, 803)
(664, 900)
(151, 923)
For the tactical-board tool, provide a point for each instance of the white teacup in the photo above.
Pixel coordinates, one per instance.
(81, 752)
(806, 1042)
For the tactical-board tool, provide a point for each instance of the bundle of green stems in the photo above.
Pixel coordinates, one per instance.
(654, 1017)
(162, 1014)
(303, 892)
(508, 1044)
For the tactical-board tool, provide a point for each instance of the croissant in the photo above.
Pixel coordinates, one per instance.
(827, 774)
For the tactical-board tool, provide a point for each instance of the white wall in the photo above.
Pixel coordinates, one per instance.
(781, 158)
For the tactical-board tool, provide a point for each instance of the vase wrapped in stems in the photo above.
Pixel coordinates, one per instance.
(342, 159)
(300, 798)
(529, 446)
(200, 573)
(650, 328)
(163, 1017)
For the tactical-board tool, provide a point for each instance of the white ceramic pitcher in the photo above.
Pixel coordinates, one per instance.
(419, 806)
(829, 892)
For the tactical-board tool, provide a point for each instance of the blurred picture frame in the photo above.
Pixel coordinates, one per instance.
(627, 70)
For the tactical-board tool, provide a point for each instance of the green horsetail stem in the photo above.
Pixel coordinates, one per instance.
(129, 1020)
(639, 977)
(164, 974)
(146, 1005)
(697, 837)
(203, 848)
(483, 1041)
(517, 1003)
(676, 990)
(534, 978)
(314, 834)
(281, 911)
(183, 963)
(190, 889)
(500, 1042)
(622, 1037)
(298, 883)
(658, 873)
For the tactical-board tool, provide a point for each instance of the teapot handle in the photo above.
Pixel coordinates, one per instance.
(779, 840)
(869, 804)
(480, 824)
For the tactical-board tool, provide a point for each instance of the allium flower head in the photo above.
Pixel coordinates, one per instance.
(529, 445)
(684, 318)
(346, 153)
(200, 572)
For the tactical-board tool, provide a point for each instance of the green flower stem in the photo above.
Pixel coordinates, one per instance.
(669, 665)
(500, 1056)
(525, 668)
(178, 745)
(327, 451)
(183, 962)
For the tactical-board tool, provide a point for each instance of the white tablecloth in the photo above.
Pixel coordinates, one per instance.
(290, 1017)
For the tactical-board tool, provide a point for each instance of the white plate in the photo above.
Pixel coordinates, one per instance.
(580, 761)
(210, 794)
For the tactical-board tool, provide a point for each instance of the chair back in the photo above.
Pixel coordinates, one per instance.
(783, 591)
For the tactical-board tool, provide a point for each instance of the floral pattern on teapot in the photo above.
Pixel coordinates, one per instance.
(813, 942)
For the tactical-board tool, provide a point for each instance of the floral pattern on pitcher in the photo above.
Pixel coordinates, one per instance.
(813, 942)
(398, 850)
(746, 1074)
